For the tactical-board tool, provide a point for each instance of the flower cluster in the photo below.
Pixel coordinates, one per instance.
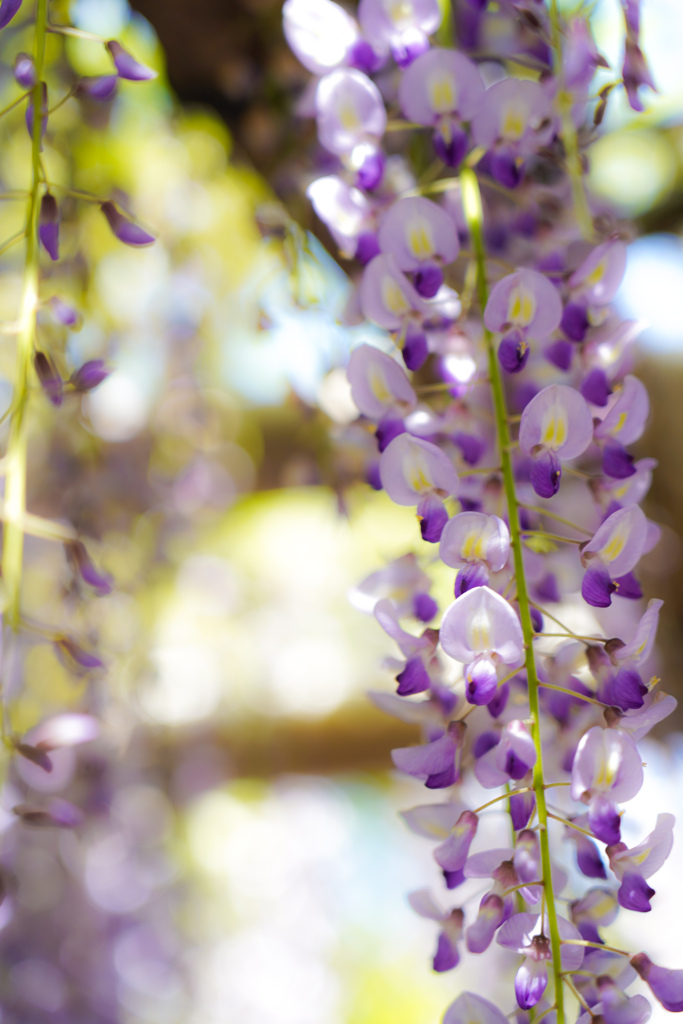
(505, 413)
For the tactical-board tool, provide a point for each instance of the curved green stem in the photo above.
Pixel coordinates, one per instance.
(15, 487)
(471, 199)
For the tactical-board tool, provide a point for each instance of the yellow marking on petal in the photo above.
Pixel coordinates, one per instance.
(443, 93)
(472, 549)
(513, 122)
(416, 473)
(420, 240)
(602, 907)
(554, 432)
(614, 546)
(399, 10)
(640, 857)
(378, 385)
(348, 117)
(521, 307)
(596, 276)
(620, 422)
(393, 298)
(480, 631)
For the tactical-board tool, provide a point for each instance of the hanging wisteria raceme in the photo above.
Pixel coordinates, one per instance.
(505, 415)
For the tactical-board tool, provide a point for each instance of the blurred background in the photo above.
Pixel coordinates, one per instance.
(242, 861)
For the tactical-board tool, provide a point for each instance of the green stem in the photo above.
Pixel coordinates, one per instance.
(471, 198)
(15, 487)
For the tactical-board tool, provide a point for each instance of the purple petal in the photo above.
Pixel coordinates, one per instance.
(546, 474)
(411, 468)
(446, 956)
(479, 935)
(525, 300)
(48, 225)
(513, 352)
(666, 985)
(595, 387)
(89, 375)
(597, 587)
(481, 622)
(415, 349)
(561, 354)
(522, 806)
(24, 69)
(8, 8)
(530, 983)
(433, 516)
(588, 857)
(628, 689)
(83, 566)
(629, 587)
(126, 230)
(604, 819)
(606, 761)
(634, 893)
(558, 420)
(600, 274)
(450, 144)
(496, 706)
(350, 109)
(417, 231)
(378, 383)
(433, 821)
(616, 461)
(389, 427)
(414, 678)
(452, 854)
(127, 66)
(50, 380)
(438, 83)
(575, 322)
(77, 655)
(62, 312)
(619, 542)
(99, 87)
(471, 1009)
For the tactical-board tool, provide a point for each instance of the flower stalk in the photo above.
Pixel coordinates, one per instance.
(472, 206)
(15, 486)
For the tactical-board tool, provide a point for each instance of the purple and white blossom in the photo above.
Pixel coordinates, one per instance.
(607, 770)
(556, 426)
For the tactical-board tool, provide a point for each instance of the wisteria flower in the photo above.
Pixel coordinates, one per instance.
(513, 121)
(528, 934)
(416, 472)
(421, 237)
(320, 33)
(475, 544)
(351, 120)
(447, 954)
(469, 1008)
(633, 866)
(481, 630)
(607, 770)
(556, 426)
(401, 25)
(612, 553)
(522, 306)
(666, 985)
(443, 88)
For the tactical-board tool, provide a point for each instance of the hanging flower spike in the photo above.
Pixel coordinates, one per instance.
(613, 552)
(421, 237)
(556, 425)
(447, 955)
(351, 120)
(127, 66)
(666, 985)
(527, 934)
(416, 472)
(607, 770)
(521, 306)
(320, 33)
(444, 89)
(475, 544)
(481, 630)
(471, 1009)
(633, 866)
(401, 25)
(514, 120)
(8, 9)
(125, 229)
(347, 213)
(48, 225)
